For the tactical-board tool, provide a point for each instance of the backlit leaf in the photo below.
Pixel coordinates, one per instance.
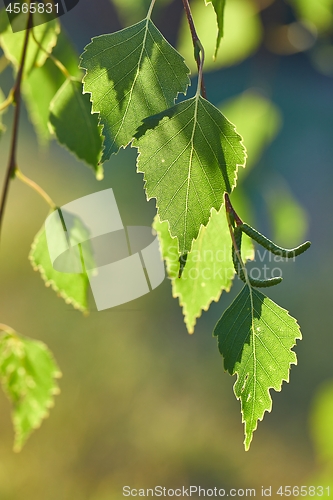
(12, 43)
(255, 338)
(189, 155)
(28, 372)
(75, 126)
(209, 268)
(73, 288)
(219, 11)
(49, 78)
(241, 37)
(130, 75)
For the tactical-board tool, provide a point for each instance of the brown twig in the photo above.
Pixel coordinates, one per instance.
(198, 48)
(231, 211)
(17, 99)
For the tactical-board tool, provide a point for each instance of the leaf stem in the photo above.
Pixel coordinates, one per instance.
(35, 187)
(231, 211)
(56, 61)
(151, 9)
(17, 99)
(199, 53)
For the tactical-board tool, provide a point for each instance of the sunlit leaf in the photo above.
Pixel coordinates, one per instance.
(242, 34)
(219, 6)
(131, 74)
(73, 288)
(209, 268)
(49, 78)
(74, 124)
(28, 372)
(255, 338)
(12, 43)
(189, 178)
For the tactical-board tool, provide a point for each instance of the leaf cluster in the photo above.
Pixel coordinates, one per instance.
(130, 90)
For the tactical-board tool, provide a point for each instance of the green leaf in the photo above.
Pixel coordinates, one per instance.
(49, 78)
(189, 155)
(12, 43)
(209, 268)
(258, 121)
(219, 10)
(241, 37)
(28, 372)
(75, 126)
(131, 74)
(255, 338)
(73, 288)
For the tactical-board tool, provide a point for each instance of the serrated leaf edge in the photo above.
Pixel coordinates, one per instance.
(98, 169)
(248, 439)
(189, 326)
(18, 443)
(51, 283)
(233, 186)
(91, 100)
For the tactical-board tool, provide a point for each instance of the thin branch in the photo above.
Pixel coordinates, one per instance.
(151, 8)
(231, 217)
(198, 48)
(56, 61)
(17, 99)
(231, 211)
(35, 187)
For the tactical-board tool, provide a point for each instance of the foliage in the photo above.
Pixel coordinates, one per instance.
(132, 93)
(69, 107)
(71, 287)
(255, 337)
(131, 74)
(242, 34)
(208, 270)
(27, 372)
(219, 6)
(189, 179)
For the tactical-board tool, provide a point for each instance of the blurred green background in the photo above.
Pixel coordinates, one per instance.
(143, 403)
